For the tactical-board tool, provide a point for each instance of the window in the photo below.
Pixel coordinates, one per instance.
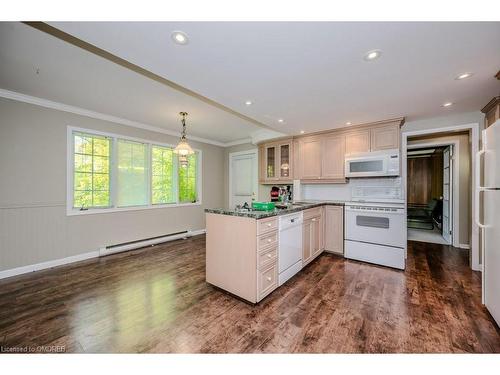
(162, 175)
(91, 181)
(132, 178)
(187, 180)
(110, 172)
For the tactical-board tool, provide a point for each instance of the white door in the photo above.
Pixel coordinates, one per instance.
(447, 193)
(242, 177)
(491, 259)
(491, 231)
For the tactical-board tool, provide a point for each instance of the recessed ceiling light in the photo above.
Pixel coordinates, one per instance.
(372, 55)
(280, 120)
(463, 76)
(248, 102)
(348, 123)
(180, 37)
(447, 104)
(302, 132)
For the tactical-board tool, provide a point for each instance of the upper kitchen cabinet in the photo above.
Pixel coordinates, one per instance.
(271, 158)
(309, 158)
(332, 156)
(285, 160)
(385, 137)
(357, 141)
(491, 111)
(321, 158)
(382, 135)
(276, 164)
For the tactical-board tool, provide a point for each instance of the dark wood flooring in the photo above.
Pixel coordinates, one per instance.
(156, 300)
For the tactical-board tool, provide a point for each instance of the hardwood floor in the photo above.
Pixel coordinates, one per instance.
(156, 300)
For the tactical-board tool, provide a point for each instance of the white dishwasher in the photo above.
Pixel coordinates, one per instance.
(290, 246)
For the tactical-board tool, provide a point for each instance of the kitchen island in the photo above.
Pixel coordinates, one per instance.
(242, 247)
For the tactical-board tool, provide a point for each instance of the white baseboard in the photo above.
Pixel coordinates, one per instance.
(197, 232)
(72, 259)
(464, 246)
(48, 264)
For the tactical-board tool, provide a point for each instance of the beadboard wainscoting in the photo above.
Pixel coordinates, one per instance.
(53, 240)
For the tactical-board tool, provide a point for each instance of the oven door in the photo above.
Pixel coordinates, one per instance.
(377, 225)
(366, 166)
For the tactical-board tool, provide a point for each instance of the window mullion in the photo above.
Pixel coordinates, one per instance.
(113, 165)
(92, 173)
(149, 166)
(175, 179)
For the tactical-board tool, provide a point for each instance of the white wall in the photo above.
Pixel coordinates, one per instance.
(444, 121)
(34, 227)
(326, 191)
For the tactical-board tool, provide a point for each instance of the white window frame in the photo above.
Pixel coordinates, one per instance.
(70, 211)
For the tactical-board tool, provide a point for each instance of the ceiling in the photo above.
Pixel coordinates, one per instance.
(312, 75)
(73, 76)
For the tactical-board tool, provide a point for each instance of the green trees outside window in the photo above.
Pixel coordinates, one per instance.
(112, 172)
(91, 171)
(162, 175)
(187, 180)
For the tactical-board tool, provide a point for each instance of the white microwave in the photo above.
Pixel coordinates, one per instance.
(372, 164)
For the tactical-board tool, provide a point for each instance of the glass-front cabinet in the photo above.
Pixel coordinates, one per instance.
(277, 161)
(284, 161)
(270, 162)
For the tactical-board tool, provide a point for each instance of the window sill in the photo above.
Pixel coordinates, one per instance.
(92, 211)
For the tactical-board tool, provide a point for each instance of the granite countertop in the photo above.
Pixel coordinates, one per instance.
(302, 205)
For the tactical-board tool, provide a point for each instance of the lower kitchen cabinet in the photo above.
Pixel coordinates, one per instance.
(312, 234)
(242, 253)
(334, 229)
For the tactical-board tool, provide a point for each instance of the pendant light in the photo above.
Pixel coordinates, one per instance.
(183, 149)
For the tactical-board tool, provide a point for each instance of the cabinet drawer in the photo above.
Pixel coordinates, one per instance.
(267, 225)
(267, 280)
(267, 257)
(312, 212)
(267, 240)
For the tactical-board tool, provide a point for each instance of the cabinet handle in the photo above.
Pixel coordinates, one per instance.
(268, 278)
(269, 240)
(269, 255)
(313, 220)
(269, 224)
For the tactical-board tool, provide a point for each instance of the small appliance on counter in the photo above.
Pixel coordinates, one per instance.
(281, 193)
(263, 206)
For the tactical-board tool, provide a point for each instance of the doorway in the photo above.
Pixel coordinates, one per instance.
(430, 193)
(243, 181)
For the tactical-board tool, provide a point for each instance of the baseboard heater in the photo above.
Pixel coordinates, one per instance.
(131, 245)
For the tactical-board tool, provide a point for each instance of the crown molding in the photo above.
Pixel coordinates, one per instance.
(102, 116)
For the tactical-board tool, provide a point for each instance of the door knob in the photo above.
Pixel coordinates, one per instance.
(268, 278)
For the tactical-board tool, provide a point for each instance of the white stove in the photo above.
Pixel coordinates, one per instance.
(375, 223)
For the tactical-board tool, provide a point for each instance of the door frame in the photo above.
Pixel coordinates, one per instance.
(230, 172)
(455, 186)
(473, 129)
